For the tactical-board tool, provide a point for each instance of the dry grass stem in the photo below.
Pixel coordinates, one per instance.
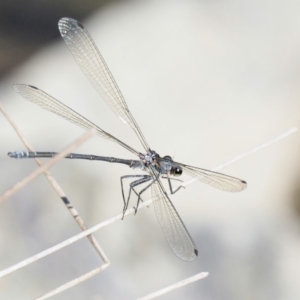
(95, 228)
(18, 186)
(88, 232)
(57, 188)
(73, 282)
(175, 286)
(248, 152)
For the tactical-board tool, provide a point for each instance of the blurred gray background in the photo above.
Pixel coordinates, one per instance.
(206, 81)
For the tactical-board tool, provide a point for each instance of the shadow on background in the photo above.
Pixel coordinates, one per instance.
(25, 26)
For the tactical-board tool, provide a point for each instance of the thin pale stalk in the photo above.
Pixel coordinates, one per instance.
(73, 282)
(18, 186)
(113, 219)
(248, 153)
(57, 188)
(175, 286)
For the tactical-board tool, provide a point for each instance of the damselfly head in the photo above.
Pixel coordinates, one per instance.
(168, 157)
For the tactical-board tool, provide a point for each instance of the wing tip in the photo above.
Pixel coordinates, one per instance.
(65, 20)
(16, 87)
(192, 257)
(80, 25)
(244, 183)
(188, 257)
(64, 24)
(19, 87)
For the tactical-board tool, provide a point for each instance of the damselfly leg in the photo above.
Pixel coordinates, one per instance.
(132, 185)
(170, 184)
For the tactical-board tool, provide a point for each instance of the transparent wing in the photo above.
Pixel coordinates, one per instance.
(215, 179)
(175, 231)
(47, 102)
(91, 62)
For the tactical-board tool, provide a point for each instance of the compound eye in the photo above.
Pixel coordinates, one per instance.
(177, 171)
(167, 157)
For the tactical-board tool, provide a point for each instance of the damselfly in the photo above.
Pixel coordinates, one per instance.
(94, 67)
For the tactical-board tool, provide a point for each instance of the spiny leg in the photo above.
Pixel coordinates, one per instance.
(170, 184)
(142, 191)
(132, 186)
(144, 178)
(155, 178)
(128, 176)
